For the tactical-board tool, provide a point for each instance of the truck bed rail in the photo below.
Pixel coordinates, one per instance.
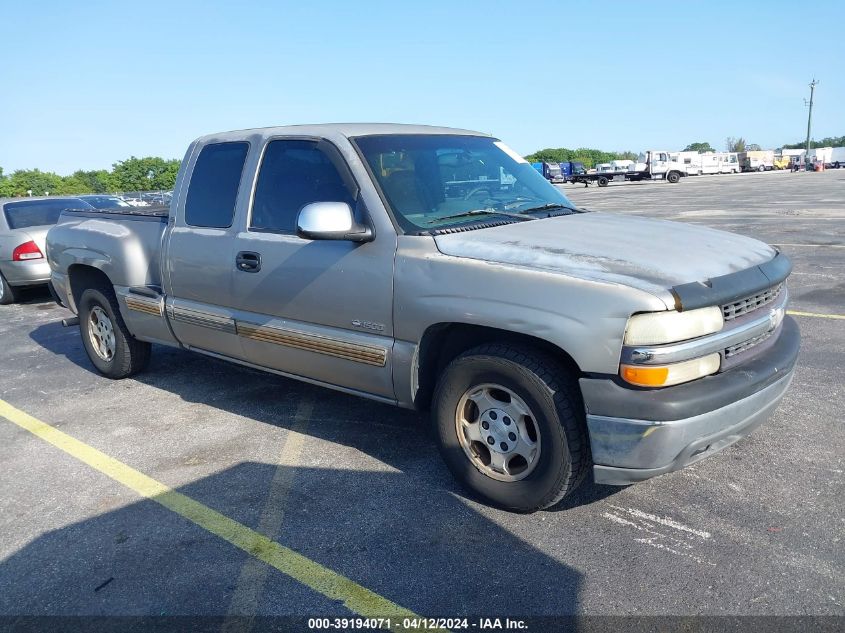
(155, 214)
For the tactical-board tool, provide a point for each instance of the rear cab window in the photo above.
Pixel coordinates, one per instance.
(214, 185)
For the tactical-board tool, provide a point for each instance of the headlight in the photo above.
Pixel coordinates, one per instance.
(654, 328)
(674, 374)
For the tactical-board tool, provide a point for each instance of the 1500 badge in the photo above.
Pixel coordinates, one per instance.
(368, 325)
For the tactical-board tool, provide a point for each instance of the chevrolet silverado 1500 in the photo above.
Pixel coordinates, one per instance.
(435, 269)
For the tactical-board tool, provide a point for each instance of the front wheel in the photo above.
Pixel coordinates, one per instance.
(603, 181)
(673, 177)
(510, 425)
(109, 344)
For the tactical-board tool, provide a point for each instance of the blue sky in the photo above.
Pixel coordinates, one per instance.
(85, 84)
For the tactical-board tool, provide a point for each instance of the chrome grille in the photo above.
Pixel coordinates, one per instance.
(748, 304)
(739, 348)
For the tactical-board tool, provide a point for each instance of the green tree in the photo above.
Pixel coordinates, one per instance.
(586, 155)
(143, 174)
(39, 182)
(95, 181)
(828, 141)
(73, 185)
(699, 147)
(5, 185)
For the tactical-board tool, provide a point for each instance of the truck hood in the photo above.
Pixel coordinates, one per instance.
(644, 253)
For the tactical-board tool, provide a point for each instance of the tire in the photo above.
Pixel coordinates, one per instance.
(603, 181)
(556, 410)
(128, 355)
(761, 168)
(8, 294)
(673, 177)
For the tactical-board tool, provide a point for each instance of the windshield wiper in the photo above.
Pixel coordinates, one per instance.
(469, 214)
(551, 205)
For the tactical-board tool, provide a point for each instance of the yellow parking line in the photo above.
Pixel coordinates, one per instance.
(253, 574)
(816, 314)
(308, 572)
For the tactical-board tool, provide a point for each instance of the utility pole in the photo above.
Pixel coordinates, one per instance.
(813, 85)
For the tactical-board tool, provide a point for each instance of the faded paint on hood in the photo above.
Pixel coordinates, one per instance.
(644, 253)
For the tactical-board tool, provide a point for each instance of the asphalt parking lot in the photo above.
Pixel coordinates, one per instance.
(359, 490)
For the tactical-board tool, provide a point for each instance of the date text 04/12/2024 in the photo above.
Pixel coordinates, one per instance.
(416, 624)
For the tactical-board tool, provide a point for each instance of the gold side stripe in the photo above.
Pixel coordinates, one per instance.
(148, 306)
(367, 354)
(202, 319)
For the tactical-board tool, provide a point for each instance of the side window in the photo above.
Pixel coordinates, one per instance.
(214, 185)
(293, 174)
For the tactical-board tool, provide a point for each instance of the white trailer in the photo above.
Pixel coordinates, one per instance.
(691, 162)
(757, 160)
(832, 157)
(819, 154)
(710, 163)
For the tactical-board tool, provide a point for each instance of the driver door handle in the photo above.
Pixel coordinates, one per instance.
(248, 262)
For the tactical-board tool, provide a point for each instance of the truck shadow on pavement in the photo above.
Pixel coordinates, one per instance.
(400, 438)
(429, 553)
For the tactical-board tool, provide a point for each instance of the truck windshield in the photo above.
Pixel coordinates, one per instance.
(427, 177)
(21, 215)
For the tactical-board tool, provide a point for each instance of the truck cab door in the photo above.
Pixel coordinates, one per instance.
(317, 309)
(198, 251)
(659, 163)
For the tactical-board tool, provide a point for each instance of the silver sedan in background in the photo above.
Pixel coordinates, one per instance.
(24, 223)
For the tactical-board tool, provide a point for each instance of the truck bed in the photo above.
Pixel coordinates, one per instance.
(127, 241)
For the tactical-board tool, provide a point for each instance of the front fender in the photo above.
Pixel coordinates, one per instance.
(586, 319)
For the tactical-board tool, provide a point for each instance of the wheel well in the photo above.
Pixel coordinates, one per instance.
(82, 277)
(443, 342)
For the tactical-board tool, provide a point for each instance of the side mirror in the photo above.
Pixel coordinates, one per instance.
(331, 221)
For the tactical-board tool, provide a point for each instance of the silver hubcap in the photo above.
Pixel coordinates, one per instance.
(101, 333)
(498, 432)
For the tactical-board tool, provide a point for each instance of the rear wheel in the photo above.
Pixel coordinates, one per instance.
(110, 346)
(510, 425)
(7, 293)
(603, 181)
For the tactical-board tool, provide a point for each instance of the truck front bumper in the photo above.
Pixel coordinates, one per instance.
(26, 273)
(636, 434)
